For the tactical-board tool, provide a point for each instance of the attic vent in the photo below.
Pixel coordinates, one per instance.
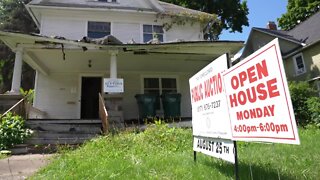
(108, 1)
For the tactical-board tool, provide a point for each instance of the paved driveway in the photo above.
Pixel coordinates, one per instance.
(21, 167)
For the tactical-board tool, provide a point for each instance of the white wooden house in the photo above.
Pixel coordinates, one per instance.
(69, 73)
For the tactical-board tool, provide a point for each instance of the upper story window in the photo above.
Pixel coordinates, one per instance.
(98, 29)
(299, 64)
(149, 31)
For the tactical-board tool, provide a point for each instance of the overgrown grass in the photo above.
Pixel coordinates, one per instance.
(2, 156)
(164, 153)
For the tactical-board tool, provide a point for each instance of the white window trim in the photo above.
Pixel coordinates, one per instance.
(141, 31)
(87, 25)
(160, 111)
(297, 73)
(159, 77)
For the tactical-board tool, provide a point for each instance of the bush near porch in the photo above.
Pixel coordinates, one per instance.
(12, 131)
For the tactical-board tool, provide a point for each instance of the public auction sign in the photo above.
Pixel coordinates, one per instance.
(258, 99)
(210, 117)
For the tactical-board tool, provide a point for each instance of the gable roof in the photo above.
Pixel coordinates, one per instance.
(139, 5)
(175, 9)
(304, 35)
(307, 31)
(278, 33)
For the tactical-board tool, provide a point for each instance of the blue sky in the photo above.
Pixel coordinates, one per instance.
(260, 12)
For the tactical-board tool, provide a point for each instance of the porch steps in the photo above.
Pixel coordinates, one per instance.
(50, 134)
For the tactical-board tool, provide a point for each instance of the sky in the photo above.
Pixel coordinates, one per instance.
(260, 13)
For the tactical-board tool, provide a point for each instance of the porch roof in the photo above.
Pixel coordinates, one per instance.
(38, 48)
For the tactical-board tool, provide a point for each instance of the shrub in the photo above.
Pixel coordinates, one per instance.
(300, 93)
(313, 104)
(12, 131)
(29, 94)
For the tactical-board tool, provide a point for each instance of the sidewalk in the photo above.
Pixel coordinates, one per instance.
(21, 167)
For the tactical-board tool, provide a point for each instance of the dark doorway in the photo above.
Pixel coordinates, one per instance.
(90, 89)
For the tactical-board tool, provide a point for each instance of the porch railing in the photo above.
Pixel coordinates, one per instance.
(103, 114)
(20, 108)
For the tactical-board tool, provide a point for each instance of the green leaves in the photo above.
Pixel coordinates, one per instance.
(12, 131)
(232, 13)
(306, 105)
(297, 12)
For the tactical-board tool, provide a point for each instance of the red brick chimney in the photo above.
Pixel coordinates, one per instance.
(271, 25)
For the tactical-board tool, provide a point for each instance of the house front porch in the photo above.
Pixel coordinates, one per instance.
(70, 74)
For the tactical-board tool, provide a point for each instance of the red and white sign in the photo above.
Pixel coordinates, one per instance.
(258, 98)
(210, 117)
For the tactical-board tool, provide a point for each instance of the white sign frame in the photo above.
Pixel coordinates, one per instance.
(112, 85)
(219, 148)
(268, 116)
(210, 117)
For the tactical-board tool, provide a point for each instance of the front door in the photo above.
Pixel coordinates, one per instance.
(90, 89)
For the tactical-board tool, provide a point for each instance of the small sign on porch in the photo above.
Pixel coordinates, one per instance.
(112, 85)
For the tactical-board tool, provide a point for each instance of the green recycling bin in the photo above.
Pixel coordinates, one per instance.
(146, 105)
(171, 105)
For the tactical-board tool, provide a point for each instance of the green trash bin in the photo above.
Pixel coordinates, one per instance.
(146, 105)
(171, 105)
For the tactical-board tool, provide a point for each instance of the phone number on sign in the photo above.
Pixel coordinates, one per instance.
(263, 127)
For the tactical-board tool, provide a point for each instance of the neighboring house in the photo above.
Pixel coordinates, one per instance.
(158, 54)
(300, 48)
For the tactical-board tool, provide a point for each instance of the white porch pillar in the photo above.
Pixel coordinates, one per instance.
(17, 71)
(113, 64)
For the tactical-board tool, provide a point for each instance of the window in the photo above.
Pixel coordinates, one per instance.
(98, 29)
(158, 86)
(149, 31)
(299, 64)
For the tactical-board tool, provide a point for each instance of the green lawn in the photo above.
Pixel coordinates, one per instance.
(2, 156)
(163, 153)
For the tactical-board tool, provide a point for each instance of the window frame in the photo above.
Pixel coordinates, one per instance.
(94, 21)
(160, 77)
(152, 26)
(297, 70)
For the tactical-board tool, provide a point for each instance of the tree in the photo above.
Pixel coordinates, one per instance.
(14, 17)
(298, 11)
(232, 13)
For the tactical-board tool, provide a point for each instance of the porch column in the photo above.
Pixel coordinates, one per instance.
(113, 63)
(17, 71)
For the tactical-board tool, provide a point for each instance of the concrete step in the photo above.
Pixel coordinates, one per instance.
(64, 121)
(58, 135)
(64, 131)
(80, 128)
(58, 141)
